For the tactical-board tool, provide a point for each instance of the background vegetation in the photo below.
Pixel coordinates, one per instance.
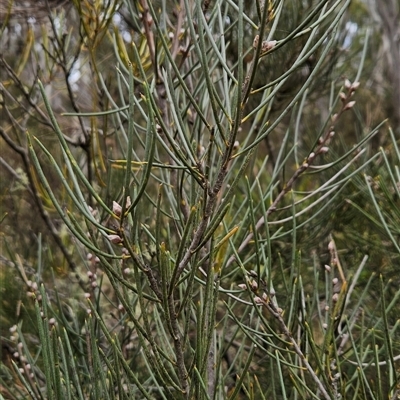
(199, 199)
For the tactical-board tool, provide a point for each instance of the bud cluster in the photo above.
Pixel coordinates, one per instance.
(25, 368)
(324, 141)
(266, 45)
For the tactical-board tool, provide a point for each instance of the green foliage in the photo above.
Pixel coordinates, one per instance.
(201, 196)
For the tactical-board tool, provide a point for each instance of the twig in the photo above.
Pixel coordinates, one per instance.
(322, 148)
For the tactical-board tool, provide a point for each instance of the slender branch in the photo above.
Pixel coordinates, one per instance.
(320, 149)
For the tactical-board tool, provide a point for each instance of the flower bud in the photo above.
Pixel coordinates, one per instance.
(354, 86)
(268, 45)
(255, 41)
(324, 150)
(342, 96)
(265, 296)
(349, 105)
(114, 239)
(347, 84)
(242, 286)
(117, 209)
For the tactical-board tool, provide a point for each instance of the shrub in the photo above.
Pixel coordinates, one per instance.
(194, 194)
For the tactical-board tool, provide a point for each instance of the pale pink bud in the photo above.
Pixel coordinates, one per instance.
(327, 268)
(128, 202)
(268, 45)
(117, 209)
(324, 150)
(265, 296)
(258, 300)
(355, 86)
(335, 297)
(331, 246)
(52, 321)
(255, 41)
(325, 325)
(242, 286)
(311, 155)
(326, 308)
(342, 96)
(335, 281)
(87, 295)
(114, 239)
(349, 105)
(347, 84)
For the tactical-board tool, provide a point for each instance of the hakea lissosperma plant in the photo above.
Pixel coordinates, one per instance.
(190, 240)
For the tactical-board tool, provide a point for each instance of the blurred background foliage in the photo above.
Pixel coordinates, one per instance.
(81, 51)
